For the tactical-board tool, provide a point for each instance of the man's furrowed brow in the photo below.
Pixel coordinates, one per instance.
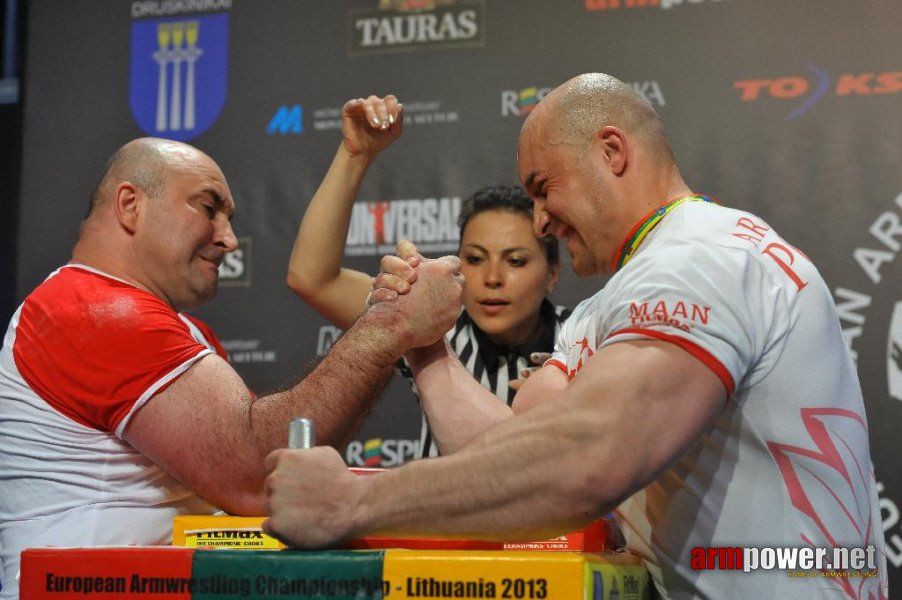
(530, 182)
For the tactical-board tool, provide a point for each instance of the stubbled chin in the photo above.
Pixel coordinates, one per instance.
(582, 266)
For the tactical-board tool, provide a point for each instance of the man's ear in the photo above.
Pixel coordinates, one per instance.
(126, 205)
(613, 145)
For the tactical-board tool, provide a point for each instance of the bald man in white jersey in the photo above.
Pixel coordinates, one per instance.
(704, 395)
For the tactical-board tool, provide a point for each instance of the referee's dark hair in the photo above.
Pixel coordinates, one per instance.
(509, 198)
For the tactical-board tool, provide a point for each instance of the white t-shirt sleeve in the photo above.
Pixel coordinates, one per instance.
(715, 302)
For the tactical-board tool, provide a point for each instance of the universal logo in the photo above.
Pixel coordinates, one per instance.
(431, 223)
(235, 270)
(398, 25)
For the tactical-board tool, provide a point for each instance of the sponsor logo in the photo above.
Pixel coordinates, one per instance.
(178, 67)
(287, 120)
(230, 534)
(520, 103)
(430, 223)
(677, 314)
(427, 112)
(804, 91)
(248, 352)
(398, 25)
(868, 312)
(597, 5)
(235, 270)
(781, 253)
(379, 452)
(815, 562)
(328, 335)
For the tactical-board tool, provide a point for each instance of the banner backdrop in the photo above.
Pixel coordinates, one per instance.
(792, 110)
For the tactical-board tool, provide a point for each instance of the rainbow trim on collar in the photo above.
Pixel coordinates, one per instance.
(637, 235)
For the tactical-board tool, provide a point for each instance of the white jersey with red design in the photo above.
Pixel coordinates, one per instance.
(81, 355)
(786, 464)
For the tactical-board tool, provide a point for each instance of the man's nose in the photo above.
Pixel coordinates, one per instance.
(225, 235)
(540, 219)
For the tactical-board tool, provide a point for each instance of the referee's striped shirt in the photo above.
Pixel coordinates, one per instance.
(493, 365)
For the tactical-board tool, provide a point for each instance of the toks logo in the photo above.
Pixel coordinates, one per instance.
(378, 452)
(430, 223)
(808, 91)
(520, 104)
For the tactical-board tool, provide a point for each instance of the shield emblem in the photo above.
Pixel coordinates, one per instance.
(179, 74)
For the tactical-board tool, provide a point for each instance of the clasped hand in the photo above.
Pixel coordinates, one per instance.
(427, 292)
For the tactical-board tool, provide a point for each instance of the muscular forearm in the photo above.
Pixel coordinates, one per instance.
(341, 389)
(314, 269)
(563, 462)
(555, 467)
(509, 484)
(457, 406)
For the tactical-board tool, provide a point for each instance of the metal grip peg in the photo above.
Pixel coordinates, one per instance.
(301, 433)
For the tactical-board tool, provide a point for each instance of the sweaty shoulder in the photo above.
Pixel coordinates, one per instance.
(94, 347)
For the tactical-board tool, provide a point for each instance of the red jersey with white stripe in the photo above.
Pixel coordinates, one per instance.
(787, 462)
(81, 355)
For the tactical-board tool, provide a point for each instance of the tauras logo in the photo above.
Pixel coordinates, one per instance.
(414, 24)
(520, 103)
(430, 223)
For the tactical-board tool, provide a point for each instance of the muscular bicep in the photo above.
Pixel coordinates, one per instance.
(649, 402)
(192, 430)
(547, 382)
